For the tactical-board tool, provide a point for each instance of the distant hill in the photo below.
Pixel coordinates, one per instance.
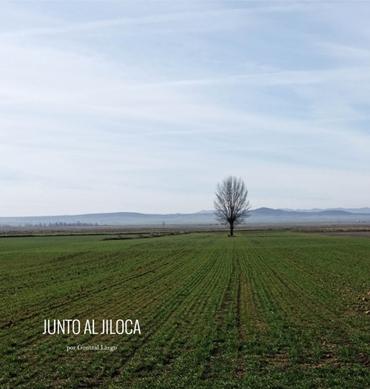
(262, 215)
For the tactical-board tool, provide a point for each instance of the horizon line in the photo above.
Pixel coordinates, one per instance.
(182, 213)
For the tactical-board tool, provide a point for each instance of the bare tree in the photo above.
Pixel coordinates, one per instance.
(231, 203)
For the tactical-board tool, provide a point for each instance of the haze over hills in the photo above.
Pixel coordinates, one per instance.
(262, 215)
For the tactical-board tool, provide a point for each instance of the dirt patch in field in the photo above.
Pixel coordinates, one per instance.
(363, 303)
(280, 360)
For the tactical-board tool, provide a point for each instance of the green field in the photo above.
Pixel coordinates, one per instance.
(262, 310)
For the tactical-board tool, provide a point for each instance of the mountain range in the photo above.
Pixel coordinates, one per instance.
(262, 215)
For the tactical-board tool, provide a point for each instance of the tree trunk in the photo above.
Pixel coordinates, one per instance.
(231, 229)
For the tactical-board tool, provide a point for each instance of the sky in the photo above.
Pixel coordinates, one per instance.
(111, 106)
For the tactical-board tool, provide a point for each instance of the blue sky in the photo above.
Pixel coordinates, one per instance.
(145, 106)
